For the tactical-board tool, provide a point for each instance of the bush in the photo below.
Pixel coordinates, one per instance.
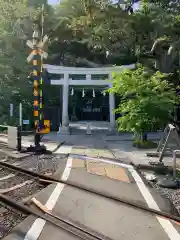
(144, 144)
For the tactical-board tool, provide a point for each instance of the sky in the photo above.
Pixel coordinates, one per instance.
(136, 5)
(52, 2)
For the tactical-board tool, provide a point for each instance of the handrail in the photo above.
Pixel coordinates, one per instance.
(171, 126)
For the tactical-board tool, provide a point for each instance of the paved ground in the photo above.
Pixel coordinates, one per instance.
(138, 156)
(27, 141)
(90, 163)
(120, 145)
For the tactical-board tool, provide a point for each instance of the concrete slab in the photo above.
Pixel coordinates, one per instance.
(15, 154)
(137, 156)
(64, 149)
(117, 173)
(111, 219)
(51, 146)
(78, 163)
(129, 137)
(113, 187)
(117, 188)
(79, 150)
(109, 170)
(93, 151)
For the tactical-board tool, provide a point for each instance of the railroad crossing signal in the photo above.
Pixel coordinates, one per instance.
(36, 57)
(38, 46)
(33, 53)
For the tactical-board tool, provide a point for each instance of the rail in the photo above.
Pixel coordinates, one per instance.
(72, 228)
(106, 195)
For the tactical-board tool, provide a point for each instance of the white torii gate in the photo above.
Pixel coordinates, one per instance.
(66, 81)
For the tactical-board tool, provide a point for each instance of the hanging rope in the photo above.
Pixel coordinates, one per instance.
(103, 93)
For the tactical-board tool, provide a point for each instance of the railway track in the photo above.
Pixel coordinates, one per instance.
(50, 179)
(72, 228)
(18, 186)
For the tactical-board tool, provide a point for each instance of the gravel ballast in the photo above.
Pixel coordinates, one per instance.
(9, 218)
(173, 195)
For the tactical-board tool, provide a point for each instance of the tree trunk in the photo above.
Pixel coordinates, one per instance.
(140, 136)
(143, 137)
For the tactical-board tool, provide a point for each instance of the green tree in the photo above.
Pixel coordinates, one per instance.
(109, 35)
(84, 33)
(91, 33)
(156, 30)
(147, 100)
(15, 27)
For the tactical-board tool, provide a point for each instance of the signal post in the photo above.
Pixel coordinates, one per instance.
(41, 126)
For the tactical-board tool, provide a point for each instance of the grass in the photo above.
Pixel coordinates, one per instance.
(144, 144)
(177, 174)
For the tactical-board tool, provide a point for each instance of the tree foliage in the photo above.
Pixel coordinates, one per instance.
(14, 83)
(109, 35)
(85, 33)
(88, 30)
(147, 100)
(158, 34)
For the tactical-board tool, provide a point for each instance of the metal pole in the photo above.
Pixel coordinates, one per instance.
(19, 136)
(20, 114)
(175, 152)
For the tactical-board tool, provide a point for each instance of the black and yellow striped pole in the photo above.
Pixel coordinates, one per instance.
(37, 79)
(41, 105)
(36, 57)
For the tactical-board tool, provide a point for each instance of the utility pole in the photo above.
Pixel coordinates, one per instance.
(36, 57)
